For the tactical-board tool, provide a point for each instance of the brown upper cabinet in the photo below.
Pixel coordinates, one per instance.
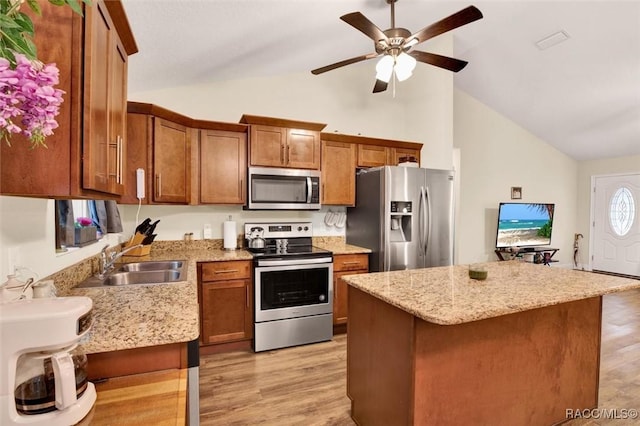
(186, 161)
(372, 155)
(338, 173)
(160, 144)
(343, 154)
(378, 155)
(105, 90)
(86, 155)
(223, 164)
(277, 142)
(171, 162)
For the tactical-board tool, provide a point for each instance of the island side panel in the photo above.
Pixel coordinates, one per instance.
(379, 361)
(519, 369)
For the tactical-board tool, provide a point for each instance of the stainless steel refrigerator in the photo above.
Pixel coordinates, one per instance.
(405, 216)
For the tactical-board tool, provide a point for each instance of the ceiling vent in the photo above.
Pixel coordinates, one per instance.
(552, 40)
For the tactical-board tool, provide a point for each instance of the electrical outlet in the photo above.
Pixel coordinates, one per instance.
(206, 232)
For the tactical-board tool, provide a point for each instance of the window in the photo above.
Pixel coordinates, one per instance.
(83, 222)
(622, 211)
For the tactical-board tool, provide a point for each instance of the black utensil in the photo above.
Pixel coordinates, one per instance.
(143, 226)
(151, 228)
(148, 239)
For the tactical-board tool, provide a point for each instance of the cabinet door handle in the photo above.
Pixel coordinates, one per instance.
(120, 159)
(246, 287)
(352, 262)
(158, 185)
(287, 154)
(282, 153)
(227, 271)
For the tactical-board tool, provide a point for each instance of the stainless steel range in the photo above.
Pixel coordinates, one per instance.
(293, 284)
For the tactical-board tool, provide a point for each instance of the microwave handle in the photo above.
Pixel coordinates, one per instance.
(309, 188)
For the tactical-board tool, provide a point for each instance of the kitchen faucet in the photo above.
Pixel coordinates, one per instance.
(108, 260)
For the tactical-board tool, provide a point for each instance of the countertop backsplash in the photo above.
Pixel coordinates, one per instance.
(69, 277)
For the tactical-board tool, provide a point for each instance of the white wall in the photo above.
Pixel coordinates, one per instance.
(420, 110)
(27, 228)
(175, 221)
(586, 170)
(496, 154)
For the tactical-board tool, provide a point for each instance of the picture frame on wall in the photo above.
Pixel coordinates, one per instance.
(516, 192)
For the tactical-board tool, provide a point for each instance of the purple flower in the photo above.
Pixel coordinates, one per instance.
(29, 102)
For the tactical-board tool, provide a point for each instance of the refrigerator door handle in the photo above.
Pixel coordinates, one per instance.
(421, 219)
(428, 219)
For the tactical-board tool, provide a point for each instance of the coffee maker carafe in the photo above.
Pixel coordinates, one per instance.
(46, 380)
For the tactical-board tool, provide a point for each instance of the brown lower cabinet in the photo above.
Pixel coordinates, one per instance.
(124, 362)
(226, 301)
(345, 264)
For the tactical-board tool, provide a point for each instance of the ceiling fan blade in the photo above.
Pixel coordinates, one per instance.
(458, 19)
(360, 22)
(343, 63)
(451, 64)
(380, 86)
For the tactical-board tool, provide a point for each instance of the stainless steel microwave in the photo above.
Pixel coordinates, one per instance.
(283, 189)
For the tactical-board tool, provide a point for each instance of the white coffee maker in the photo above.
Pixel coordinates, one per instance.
(44, 375)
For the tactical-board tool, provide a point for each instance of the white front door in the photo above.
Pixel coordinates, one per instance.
(616, 227)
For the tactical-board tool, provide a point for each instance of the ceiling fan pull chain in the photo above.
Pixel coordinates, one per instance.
(393, 83)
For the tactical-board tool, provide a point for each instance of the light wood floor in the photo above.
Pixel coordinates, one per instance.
(306, 385)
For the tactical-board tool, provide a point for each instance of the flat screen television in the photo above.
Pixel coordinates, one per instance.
(524, 225)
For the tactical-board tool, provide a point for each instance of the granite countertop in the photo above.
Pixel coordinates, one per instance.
(338, 246)
(134, 316)
(141, 315)
(447, 296)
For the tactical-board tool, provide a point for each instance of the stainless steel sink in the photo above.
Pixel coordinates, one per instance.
(152, 272)
(143, 277)
(152, 265)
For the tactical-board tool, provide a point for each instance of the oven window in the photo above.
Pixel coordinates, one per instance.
(284, 289)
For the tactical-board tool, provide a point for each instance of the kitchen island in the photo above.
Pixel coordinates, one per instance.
(431, 346)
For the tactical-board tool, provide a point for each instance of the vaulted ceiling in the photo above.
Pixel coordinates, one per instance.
(581, 96)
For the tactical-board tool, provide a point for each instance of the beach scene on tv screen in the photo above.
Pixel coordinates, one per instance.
(522, 224)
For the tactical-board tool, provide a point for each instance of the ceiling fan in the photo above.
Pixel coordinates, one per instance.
(395, 45)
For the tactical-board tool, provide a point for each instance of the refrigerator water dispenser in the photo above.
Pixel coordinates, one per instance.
(400, 222)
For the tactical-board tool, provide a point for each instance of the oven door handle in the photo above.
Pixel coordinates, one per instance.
(318, 260)
(309, 189)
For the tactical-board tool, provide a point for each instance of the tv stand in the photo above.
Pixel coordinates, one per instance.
(504, 251)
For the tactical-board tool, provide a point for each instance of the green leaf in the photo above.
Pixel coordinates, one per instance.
(8, 22)
(75, 6)
(57, 2)
(7, 53)
(22, 45)
(32, 48)
(35, 6)
(25, 23)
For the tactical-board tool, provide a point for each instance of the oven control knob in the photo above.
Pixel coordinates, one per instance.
(321, 297)
(299, 228)
(306, 228)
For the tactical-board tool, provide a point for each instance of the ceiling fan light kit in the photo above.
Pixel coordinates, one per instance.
(395, 45)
